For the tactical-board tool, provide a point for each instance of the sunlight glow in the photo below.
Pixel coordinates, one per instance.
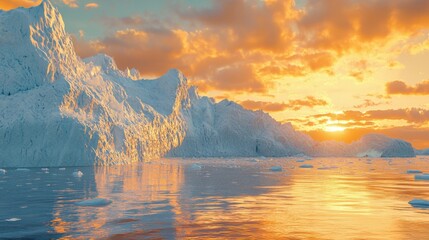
(334, 129)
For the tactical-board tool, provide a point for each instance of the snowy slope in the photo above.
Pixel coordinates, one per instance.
(59, 110)
(226, 129)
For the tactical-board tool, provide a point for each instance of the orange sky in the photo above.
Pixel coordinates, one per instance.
(326, 65)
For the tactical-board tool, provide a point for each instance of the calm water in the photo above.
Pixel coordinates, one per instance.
(215, 198)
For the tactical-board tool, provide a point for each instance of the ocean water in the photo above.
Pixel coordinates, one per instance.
(329, 198)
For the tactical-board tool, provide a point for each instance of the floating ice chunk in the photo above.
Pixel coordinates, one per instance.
(96, 202)
(301, 160)
(413, 171)
(62, 169)
(327, 168)
(419, 203)
(77, 174)
(421, 177)
(276, 169)
(2, 171)
(306, 166)
(23, 169)
(13, 219)
(45, 169)
(196, 166)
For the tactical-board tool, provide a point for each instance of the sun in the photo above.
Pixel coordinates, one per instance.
(334, 129)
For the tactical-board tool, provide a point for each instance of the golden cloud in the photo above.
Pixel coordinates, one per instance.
(11, 4)
(400, 87)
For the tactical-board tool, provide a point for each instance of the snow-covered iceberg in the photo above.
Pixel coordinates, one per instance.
(59, 110)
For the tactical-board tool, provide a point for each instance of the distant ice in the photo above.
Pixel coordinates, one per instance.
(421, 177)
(306, 166)
(327, 168)
(77, 174)
(23, 169)
(13, 219)
(276, 169)
(62, 169)
(196, 166)
(2, 171)
(419, 203)
(96, 202)
(301, 160)
(413, 171)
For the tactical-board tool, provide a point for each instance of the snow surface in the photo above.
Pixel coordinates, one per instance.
(59, 110)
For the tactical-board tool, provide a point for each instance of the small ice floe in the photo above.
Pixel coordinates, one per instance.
(327, 168)
(77, 174)
(306, 166)
(419, 203)
(2, 171)
(45, 169)
(13, 220)
(301, 160)
(62, 169)
(96, 202)
(22, 169)
(421, 177)
(196, 166)
(276, 169)
(413, 171)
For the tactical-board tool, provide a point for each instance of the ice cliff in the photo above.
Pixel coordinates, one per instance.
(59, 110)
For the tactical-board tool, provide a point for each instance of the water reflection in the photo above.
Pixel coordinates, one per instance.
(337, 199)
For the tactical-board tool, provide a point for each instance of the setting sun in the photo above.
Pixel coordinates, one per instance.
(334, 129)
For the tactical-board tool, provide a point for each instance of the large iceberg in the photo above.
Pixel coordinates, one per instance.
(59, 110)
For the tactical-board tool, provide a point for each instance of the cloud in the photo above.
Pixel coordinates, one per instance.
(348, 25)
(245, 46)
(295, 105)
(91, 5)
(410, 115)
(370, 103)
(11, 4)
(265, 106)
(71, 3)
(399, 87)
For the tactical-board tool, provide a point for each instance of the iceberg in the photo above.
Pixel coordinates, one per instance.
(306, 166)
(422, 152)
(413, 171)
(58, 110)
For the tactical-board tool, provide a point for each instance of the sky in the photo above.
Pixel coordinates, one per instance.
(335, 69)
